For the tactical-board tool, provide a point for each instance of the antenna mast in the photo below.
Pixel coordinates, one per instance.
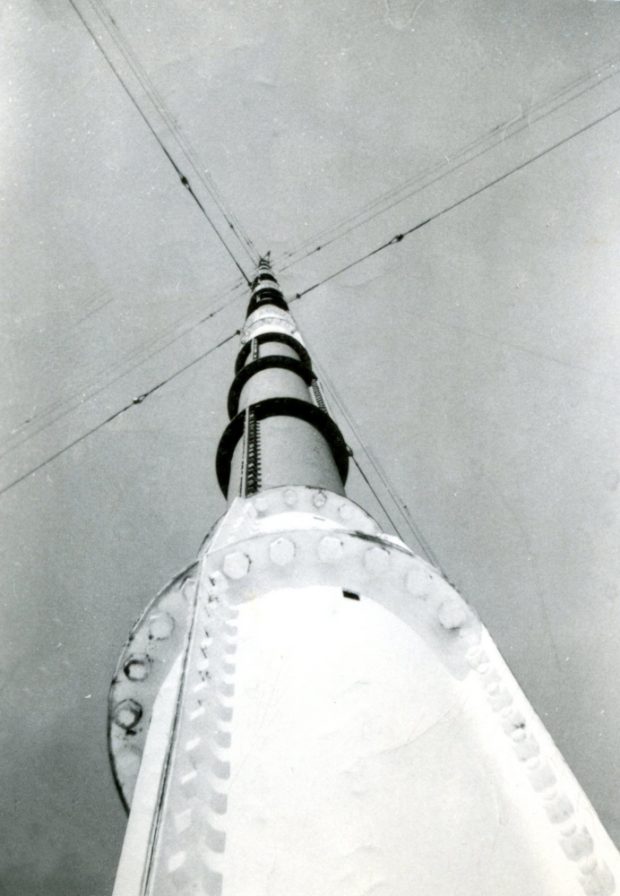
(310, 708)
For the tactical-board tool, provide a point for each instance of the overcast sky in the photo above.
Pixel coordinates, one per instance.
(473, 365)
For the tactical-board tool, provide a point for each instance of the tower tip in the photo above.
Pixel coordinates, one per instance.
(265, 260)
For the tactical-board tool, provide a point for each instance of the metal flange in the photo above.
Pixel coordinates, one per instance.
(154, 643)
(312, 535)
(287, 539)
(363, 566)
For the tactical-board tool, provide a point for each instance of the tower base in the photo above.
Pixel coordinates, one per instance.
(335, 719)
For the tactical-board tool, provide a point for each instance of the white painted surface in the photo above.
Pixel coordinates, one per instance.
(360, 765)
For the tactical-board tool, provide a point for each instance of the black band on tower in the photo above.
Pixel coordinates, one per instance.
(273, 336)
(263, 277)
(281, 407)
(253, 367)
(267, 295)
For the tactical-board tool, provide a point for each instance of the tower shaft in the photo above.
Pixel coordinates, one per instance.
(311, 709)
(279, 432)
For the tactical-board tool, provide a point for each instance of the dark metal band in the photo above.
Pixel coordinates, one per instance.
(247, 372)
(281, 407)
(263, 277)
(273, 336)
(267, 295)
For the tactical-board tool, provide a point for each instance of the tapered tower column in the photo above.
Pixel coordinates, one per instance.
(309, 709)
(279, 432)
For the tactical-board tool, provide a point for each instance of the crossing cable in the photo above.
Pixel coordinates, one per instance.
(525, 119)
(399, 237)
(442, 170)
(109, 23)
(380, 472)
(139, 400)
(369, 484)
(83, 396)
(396, 239)
(166, 115)
(337, 402)
(404, 509)
(183, 179)
(430, 556)
(147, 84)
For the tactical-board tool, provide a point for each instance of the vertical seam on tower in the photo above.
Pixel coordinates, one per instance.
(253, 454)
(243, 487)
(318, 396)
(259, 479)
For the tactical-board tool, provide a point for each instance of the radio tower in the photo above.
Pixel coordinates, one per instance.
(312, 710)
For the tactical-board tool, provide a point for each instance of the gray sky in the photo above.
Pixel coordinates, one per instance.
(477, 358)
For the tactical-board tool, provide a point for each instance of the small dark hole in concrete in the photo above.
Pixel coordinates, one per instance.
(352, 595)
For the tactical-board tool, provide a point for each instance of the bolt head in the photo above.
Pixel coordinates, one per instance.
(452, 614)
(236, 565)
(290, 497)
(319, 499)
(137, 667)
(476, 657)
(588, 865)
(282, 551)
(127, 714)
(542, 778)
(513, 721)
(161, 626)
(188, 589)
